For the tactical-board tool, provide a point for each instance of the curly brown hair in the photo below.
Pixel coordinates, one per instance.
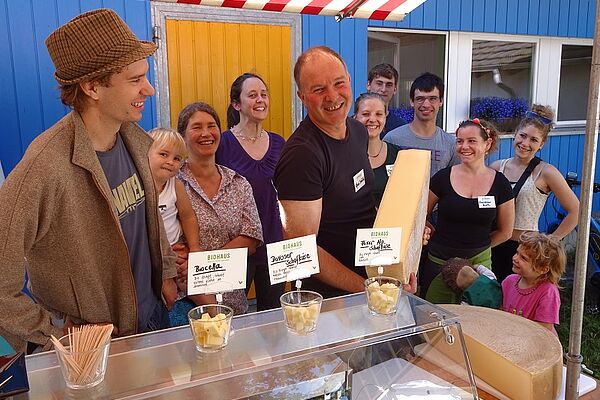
(544, 252)
(487, 131)
(450, 271)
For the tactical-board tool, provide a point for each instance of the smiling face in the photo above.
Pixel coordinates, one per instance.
(470, 146)
(385, 87)
(254, 100)
(202, 135)
(123, 99)
(165, 161)
(325, 91)
(426, 104)
(522, 265)
(528, 141)
(371, 112)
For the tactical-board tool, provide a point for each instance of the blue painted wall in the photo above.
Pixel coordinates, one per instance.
(30, 102)
(29, 99)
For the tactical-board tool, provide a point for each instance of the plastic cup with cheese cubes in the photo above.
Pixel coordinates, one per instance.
(301, 310)
(210, 325)
(382, 294)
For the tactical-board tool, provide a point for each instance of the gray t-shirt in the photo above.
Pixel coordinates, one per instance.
(442, 145)
(130, 201)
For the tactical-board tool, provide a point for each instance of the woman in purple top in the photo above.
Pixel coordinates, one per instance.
(253, 153)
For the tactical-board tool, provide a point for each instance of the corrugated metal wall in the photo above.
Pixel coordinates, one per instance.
(573, 18)
(29, 99)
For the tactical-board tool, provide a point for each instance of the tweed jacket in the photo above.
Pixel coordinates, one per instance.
(57, 213)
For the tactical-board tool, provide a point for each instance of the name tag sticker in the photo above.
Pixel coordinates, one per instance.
(377, 244)
(486, 201)
(389, 168)
(359, 180)
(292, 259)
(217, 271)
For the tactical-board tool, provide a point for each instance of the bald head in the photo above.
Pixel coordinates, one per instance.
(309, 56)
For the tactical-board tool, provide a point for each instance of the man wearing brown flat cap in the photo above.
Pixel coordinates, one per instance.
(81, 206)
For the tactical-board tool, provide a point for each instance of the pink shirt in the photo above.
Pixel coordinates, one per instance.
(540, 303)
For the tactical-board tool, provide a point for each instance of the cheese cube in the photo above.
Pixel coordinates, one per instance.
(383, 299)
(301, 318)
(211, 331)
(404, 205)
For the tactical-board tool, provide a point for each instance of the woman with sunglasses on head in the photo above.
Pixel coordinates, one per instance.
(371, 110)
(470, 196)
(252, 152)
(532, 181)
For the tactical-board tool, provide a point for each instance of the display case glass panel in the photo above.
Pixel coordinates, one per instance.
(352, 354)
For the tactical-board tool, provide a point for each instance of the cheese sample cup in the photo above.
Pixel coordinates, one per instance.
(301, 310)
(382, 294)
(210, 325)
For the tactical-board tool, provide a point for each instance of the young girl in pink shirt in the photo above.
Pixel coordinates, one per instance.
(532, 291)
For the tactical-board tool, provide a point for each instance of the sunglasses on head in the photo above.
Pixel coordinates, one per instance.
(542, 119)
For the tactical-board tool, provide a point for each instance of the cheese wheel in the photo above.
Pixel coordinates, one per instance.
(404, 205)
(516, 356)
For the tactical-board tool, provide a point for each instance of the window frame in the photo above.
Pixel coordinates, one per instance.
(461, 65)
(445, 34)
(579, 125)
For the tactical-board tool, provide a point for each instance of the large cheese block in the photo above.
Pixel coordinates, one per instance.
(516, 356)
(404, 205)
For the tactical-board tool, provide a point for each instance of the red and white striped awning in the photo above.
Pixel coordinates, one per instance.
(390, 10)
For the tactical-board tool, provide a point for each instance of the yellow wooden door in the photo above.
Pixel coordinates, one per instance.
(205, 57)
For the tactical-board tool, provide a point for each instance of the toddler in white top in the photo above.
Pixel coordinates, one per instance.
(166, 155)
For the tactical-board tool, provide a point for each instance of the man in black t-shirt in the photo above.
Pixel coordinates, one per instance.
(324, 178)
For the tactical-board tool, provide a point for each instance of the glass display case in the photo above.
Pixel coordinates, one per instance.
(352, 354)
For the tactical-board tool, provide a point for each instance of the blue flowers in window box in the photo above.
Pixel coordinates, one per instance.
(405, 112)
(505, 113)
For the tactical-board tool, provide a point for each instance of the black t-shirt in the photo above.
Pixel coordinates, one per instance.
(461, 223)
(315, 166)
(381, 172)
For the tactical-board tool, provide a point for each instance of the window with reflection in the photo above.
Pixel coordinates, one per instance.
(575, 66)
(401, 49)
(501, 81)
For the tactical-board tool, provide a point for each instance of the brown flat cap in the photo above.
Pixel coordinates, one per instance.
(92, 44)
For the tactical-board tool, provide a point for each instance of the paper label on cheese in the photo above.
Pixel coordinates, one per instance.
(377, 246)
(217, 271)
(292, 259)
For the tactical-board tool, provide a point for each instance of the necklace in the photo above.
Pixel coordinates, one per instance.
(525, 292)
(378, 153)
(235, 131)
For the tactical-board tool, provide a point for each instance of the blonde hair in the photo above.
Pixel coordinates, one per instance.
(544, 251)
(168, 137)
